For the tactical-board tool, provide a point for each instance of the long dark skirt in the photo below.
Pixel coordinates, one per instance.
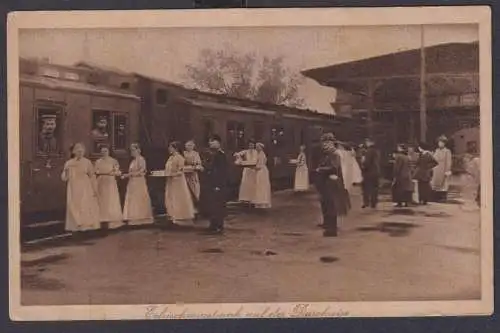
(478, 195)
(424, 192)
(401, 195)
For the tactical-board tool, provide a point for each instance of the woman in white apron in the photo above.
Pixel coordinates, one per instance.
(178, 201)
(442, 172)
(107, 169)
(262, 198)
(137, 209)
(346, 165)
(357, 176)
(191, 169)
(82, 207)
(247, 186)
(301, 183)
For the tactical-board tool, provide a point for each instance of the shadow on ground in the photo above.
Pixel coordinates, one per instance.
(393, 229)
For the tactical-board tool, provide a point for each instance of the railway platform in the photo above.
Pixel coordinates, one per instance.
(279, 255)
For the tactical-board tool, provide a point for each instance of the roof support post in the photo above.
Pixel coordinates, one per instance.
(371, 107)
(423, 93)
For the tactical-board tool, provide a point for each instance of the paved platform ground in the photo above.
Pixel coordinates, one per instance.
(425, 253)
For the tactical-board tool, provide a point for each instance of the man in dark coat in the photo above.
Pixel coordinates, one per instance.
(402, 184)
(423, 173)
(330, 185)
(370, 169)
(215, 181)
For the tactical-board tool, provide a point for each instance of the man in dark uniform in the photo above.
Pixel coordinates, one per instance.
(370, 168)
(330, 185)
(47, 141)
(215, 181)
(423, 173)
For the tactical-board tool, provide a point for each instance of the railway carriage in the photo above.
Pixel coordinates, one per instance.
(59, 106)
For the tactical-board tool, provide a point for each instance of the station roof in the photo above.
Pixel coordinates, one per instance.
(450, 69)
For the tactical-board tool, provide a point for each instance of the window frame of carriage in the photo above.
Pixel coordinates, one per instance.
(235, 144)
(164, 92)
(211, 121)
(60, 108)
(112, 113)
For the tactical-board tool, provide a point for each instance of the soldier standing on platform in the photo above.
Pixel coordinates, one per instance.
(330, 185)
(423, 173)
(370, 169)
(215, 185)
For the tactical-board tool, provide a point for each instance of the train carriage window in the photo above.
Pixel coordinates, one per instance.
(303, 135)
(259, 130)
(235, 135)
(48, 139)
(278, 136)
(120, 132)
(101, 121)
(109, 129)
(161, 96)
(208, 130)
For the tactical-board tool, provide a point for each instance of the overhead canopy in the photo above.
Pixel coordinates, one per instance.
(450, 69)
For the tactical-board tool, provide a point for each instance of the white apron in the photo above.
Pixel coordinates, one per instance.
(357, 176)
(137, 209)
(440, 181)
(178, 200)
(347, 168)
(107, 169)
(82, 207)
(262, 198)
(301, 174)
(247, 186)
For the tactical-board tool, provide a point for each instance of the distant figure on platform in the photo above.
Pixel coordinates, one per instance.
(191, 169)
(301, 183)
(402, 185)
(442, 172)
(412, 159)
(262, 198)
(82, 206)
(357, 176)
(330, 184)
(178, 200)
(137, 209)
(423, 173)
(473, 168)
(350, 169)
(247, 157)
(370, 169)
(107, 169)
(215, 185)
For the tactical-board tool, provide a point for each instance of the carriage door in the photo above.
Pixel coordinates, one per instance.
(46, 193)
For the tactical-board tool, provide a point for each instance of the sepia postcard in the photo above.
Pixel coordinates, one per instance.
(250, 163)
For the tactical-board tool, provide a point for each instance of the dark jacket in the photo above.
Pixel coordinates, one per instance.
(423, 169)
(402, 174)
(216, 169)
(330, 189)
(370, 167)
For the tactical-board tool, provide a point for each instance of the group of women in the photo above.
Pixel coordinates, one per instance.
(92, 190)
(420, 175)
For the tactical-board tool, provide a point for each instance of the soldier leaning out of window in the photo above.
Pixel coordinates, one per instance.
(47, 140)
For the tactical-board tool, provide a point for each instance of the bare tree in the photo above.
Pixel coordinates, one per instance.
(244, 76)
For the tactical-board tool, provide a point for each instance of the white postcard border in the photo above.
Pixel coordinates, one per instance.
(480, 15)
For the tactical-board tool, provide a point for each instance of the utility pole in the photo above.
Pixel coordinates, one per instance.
(423, 92)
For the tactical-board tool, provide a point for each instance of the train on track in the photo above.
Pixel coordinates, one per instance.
(61, 105)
